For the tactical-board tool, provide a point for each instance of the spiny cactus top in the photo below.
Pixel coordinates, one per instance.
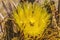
(32, 19)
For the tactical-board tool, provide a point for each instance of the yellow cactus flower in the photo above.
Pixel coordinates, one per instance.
(32, 19)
